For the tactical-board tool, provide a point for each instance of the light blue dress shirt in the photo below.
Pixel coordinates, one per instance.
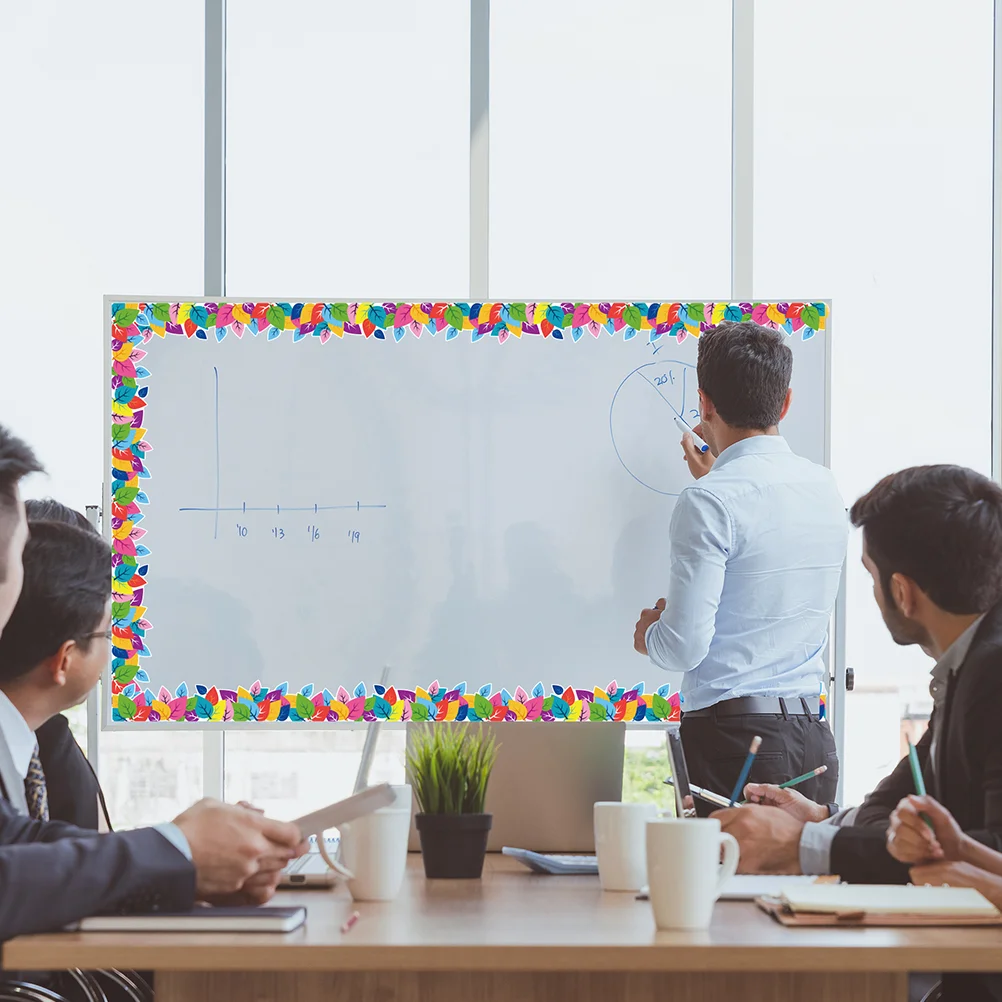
(175, 836)
(757, 547)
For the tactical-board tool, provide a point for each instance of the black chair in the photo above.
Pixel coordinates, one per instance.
(128, 986)
(21, 991)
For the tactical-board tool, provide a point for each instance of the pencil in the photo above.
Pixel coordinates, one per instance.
(745, 769)
(352, 919)
(803, 779)
(917, 778)
(916, 769)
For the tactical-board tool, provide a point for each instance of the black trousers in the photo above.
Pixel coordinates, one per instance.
(716, 747)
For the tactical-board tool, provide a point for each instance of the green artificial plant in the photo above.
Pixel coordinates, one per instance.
(449, 766)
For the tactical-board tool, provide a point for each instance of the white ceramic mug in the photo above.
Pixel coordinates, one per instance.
(374, 849)
(403, 795)
(620, 844)
(684, 871)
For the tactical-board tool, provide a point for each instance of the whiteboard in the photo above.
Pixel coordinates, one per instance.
(295, 508)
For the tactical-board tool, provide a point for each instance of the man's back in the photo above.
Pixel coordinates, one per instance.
(782, 527)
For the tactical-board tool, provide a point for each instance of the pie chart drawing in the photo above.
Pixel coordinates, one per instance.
(642, 426)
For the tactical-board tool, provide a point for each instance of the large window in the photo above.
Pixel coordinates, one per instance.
(873, 186)
(348, 174)
(100, 193)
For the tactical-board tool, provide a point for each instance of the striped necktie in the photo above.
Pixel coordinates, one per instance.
(34, 789)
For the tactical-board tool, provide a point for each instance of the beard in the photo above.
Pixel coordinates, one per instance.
(905, 632)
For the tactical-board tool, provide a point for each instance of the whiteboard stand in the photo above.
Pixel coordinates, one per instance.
(836, 689)
(93, 512)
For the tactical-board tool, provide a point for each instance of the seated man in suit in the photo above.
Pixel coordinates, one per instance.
(52, 653)
(932, 542)
(74, 793)
(52, 873)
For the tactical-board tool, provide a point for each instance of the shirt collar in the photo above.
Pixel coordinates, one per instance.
(754, 445)
(20, 738)
(953, 657)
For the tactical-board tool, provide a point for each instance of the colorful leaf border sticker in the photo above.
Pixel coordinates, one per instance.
(134, 325)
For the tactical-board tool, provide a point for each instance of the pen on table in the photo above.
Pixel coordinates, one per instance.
(352, 919)
(917, 777)
(686, 430)
(745, 769)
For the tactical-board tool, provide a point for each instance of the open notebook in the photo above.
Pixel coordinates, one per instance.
(879, 904)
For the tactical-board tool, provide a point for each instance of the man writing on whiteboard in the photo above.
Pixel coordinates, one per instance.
(757, 547)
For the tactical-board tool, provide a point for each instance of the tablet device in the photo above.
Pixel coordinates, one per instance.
(346, 810)
(684, 806)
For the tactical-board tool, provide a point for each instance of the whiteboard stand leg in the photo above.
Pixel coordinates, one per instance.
(214, 764)
(837, 691)
(93, 725)
(93, 514)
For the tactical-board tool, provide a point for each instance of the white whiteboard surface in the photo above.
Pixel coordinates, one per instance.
(488, 513)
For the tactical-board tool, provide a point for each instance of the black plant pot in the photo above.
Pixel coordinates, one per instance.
(453, 845)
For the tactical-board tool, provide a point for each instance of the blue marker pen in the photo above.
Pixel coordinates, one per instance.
(686, 430)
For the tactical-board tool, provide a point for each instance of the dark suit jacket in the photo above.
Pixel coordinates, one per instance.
(73, 789)
(53, 873)
(968, 774)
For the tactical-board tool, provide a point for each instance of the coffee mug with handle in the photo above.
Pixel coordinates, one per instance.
(374, 849)
(685, 874)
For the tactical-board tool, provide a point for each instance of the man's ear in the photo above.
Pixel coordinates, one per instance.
(55, 669)
(706, 408)
(786, 404)
(904, 594)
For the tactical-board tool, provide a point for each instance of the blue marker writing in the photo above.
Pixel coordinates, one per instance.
(686, 430)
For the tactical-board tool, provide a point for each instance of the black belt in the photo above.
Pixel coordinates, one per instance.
(772, 706)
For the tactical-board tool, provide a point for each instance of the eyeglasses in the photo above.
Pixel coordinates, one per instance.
(107, 634)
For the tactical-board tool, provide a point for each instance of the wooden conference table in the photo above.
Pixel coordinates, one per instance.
(515, 936)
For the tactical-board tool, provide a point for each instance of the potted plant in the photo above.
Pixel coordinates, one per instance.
(448, 767)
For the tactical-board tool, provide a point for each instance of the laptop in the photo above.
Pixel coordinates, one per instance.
(311, 869)
(545, 783)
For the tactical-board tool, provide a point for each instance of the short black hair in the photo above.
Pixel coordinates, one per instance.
(941, 526)
(745, 370)
(16, 462)
(67, 584)
(49, 510)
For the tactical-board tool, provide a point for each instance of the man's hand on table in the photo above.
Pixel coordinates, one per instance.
(769, 838)
(647, 616)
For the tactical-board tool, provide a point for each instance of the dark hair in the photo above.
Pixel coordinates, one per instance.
(941, 526)
(16, 462)
(67, 584)
(48, 510)
(745, 370)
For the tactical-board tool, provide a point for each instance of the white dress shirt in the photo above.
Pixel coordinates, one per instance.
(20, 738)
(757, 548)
